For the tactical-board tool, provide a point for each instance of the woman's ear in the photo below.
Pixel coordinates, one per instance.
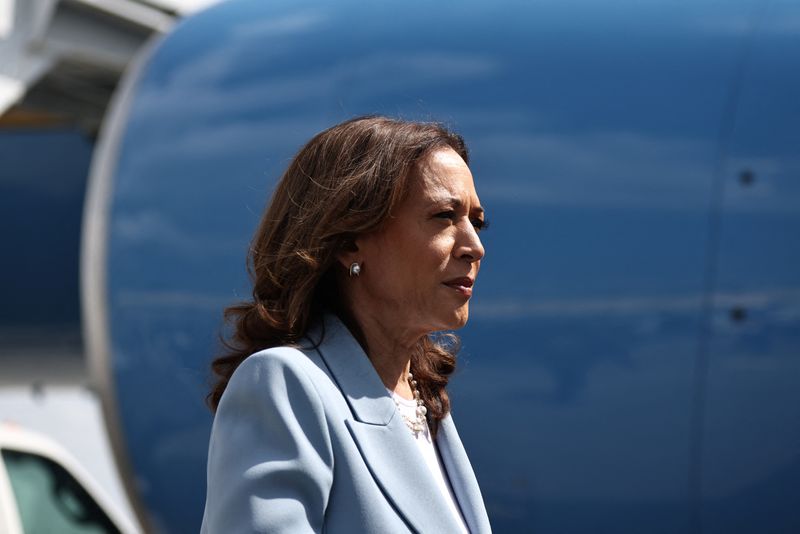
(348, 253)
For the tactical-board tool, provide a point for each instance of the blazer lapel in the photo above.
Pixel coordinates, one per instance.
(382, 438)
(462, 478)
(398, 468)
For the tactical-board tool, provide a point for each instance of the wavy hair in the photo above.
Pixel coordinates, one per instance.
(344, 182)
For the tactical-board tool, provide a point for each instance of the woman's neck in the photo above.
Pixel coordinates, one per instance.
(389, 349)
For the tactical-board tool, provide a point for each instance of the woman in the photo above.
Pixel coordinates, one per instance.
(369, 246)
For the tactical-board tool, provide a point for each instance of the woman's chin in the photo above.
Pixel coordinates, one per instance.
(459, 318)
(452, 319)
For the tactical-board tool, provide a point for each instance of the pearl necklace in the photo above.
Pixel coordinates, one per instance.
(418, 423)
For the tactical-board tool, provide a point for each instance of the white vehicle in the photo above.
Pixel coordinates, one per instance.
(44, 490)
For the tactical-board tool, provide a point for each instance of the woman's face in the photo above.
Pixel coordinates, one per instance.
(417, 272)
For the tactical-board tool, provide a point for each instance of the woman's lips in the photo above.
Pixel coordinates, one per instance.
(463, 285)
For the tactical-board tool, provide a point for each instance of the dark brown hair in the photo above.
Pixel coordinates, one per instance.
(344, 182)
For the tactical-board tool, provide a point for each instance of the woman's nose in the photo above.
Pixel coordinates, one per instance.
(470, 247)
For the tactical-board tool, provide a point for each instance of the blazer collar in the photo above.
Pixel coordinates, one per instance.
(353, 371)
(387, 446)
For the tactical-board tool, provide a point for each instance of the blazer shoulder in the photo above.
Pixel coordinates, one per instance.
(287, 369)
(283, 356)
(270, 460)
(285, 359)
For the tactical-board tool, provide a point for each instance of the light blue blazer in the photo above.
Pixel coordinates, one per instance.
(308, 440)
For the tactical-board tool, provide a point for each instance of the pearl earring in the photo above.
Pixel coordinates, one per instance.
(355, 269)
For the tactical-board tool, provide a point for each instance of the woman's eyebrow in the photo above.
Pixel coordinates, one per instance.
(456, 202)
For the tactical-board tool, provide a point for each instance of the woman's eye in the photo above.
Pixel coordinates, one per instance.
(480, 224)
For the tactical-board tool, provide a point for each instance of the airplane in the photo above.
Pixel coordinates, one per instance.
(631, 361)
